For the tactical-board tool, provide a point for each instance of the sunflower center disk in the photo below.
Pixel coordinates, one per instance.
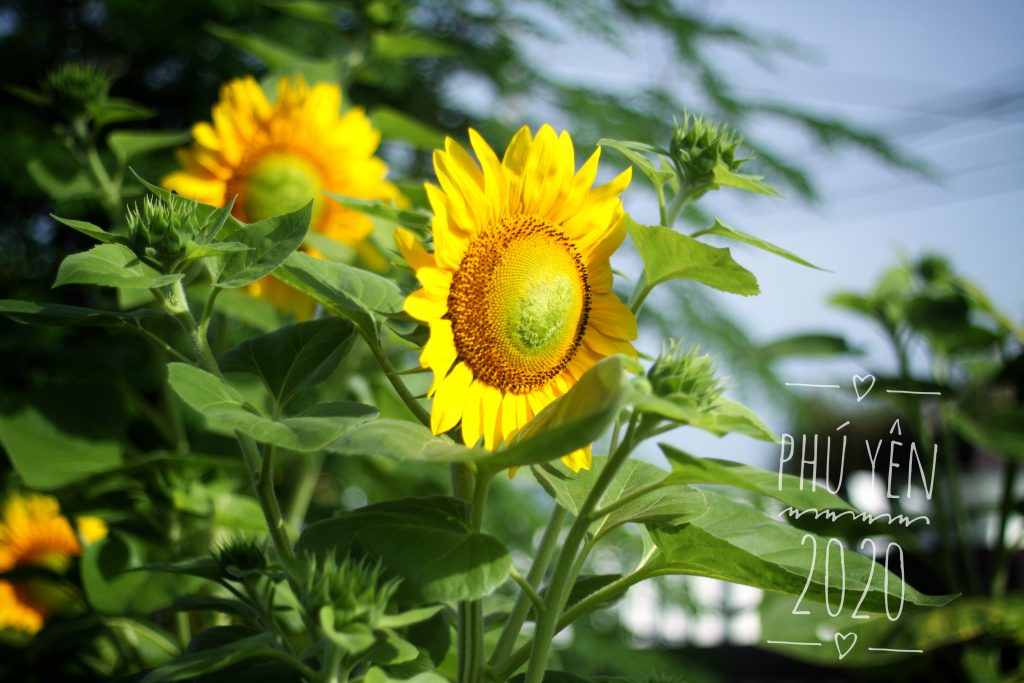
(280, 183)
(519, 303)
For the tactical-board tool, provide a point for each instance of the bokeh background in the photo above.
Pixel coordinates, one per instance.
(894, 130)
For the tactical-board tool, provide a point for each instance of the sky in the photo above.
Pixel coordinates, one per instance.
(943, 79)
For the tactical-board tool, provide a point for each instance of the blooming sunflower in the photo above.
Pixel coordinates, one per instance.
(276, 156)
(33, 533)
(518, 291)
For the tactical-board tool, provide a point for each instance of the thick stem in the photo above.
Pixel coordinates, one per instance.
(521, 607)
(305, 486)
(110, 191)
(1001, 563)
(471, 613)
(562, 576)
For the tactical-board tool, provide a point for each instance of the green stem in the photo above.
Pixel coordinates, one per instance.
(471, 613)
(1001, 572)
(521, 607)
(528, 591)
(305, 486)
(110, 191)
(396, 381)
(562, 576)
(175, 302)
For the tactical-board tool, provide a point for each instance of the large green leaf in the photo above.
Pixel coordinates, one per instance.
(276, 56)
(46, 456)
(394, 46)
(227, 411)
(640, 493)
(293, 357)
(129, 144)
(669, 255)
(925, 629)
(1000, 432)
(270, 241)
(722, 417)
(686, 469)
(203, 661)
(359, 295)
(112, 589)
(404, 441)
(425, 541)
(808, 344)
(723, 230)
(396, 125)
(110, 265)
(734, 542)
(416, 220)
(572, 421)
(32, 313)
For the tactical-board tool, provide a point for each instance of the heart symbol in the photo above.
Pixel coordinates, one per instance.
(841, 639)
(869, 380)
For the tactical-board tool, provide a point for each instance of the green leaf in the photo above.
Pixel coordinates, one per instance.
(363, 297)
(999, 432)
(395, 46)
(806, 345)
(574, 420)
(687, 469)
(293, 357)
(47, 457)
(402, 440)
(129, 144)
(426, 541)
(93, 231)
(734, 542)
(720, 228)
(210, 603)
(270, 241)
(195, 252)
(669, 255)
(110, 265)
(396, 125)
(658, 498)
(743, 181)
(409, 617)
(118, 110)
(636, 153)
(112, 589)
(226, 411)
(255, 312)
(310, 10)
(276, 56)
(415, 220)
(722, 417)
(205, 661)
(78, 186)
(32, 313)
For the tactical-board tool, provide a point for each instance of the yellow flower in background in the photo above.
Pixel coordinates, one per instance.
(277, 155)
(33, 533)
(518, 291)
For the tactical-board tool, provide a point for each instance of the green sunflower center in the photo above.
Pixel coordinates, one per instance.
(519, 303)
(279, 183)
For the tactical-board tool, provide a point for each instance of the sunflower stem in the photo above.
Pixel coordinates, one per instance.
(396, 381)
(473, 490)
(521, 607)
(175, 302)
(564, 572)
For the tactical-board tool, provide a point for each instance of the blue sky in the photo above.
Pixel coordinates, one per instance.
(944, 79)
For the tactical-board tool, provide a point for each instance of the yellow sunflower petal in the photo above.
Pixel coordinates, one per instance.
(450, 399)
(412, 251)
(610, 315)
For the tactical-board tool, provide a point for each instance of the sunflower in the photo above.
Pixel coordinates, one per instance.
(276, 156)
(33, 533)
(518, 291)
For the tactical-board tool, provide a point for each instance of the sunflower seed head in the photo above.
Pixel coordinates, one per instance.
(354, 588)
(241, 557)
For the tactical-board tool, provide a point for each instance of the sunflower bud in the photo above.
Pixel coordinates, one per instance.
(160, 231)
(241, 558)
(355, 590)
(689, 376)
(699, 145)
(75, 86)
